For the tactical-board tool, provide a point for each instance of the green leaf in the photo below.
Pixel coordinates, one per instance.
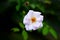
(23, 12)
(53, 33)
(45, 30)
(33, 6)
(25, 35)
(15, 29)
(17, 7)
(21, 25)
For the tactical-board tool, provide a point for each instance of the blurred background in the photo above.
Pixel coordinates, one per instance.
(12, 13)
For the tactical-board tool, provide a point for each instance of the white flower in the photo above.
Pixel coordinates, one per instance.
(33, 20)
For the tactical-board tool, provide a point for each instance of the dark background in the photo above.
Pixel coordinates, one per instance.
(7, 21)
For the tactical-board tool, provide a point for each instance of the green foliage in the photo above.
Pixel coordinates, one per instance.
(21, 25)
(23, 12)
(47, 1)
(41, 7)
(45, 29)
(15, 29)
(17, 7)
(33, 6)
(25, 35)
(53, 33)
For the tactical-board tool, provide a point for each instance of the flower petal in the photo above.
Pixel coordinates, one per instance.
(37, 13)
(39, 18)
(29, 27)
(30, 13)
(26, 20)
(37, 25)
(41, 24)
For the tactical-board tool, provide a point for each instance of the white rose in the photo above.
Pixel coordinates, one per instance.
(33, 20)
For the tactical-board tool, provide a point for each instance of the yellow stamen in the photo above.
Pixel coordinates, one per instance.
(33, 19)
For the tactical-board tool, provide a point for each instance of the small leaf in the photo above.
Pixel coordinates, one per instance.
(17, 7)
(25, 35)
(15, 29)
(21, 25)
(45, 30)
(33, 6)
(53, 33)
(23, 12)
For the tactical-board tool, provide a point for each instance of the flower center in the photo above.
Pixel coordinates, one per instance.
(33, 19)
